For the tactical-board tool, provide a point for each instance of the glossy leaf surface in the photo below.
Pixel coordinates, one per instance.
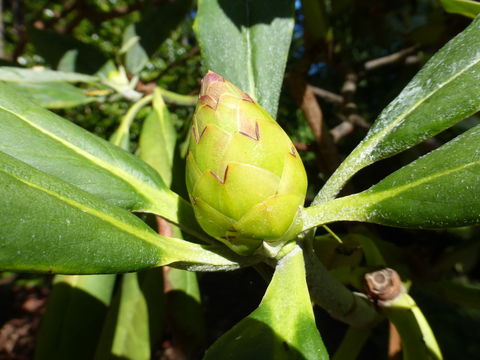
(282, 327)
(444, 92)
(62, 149)
(439, 190)
(52, 226)
(247, 42)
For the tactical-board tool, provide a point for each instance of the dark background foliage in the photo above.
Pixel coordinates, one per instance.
(347, 67)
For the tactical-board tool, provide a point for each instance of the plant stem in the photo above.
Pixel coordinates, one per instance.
(178, 99)
(329, 293)
(121, 136)
(127, 120)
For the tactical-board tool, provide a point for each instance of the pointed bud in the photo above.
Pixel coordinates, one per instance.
(245, 179)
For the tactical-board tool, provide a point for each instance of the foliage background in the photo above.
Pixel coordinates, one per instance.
(337, 57)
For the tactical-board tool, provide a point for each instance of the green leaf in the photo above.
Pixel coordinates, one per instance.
(20, 75)
(444, 92)
(53, 95)
(157, 139)
(463, 7)
(135, 318)
(60, 148)
(438, 190)
(185, 312)
(156, 24)
(76, 309)
(48, 225)
(247, 42)
(283, 326)
(54, 48)
(418, 339)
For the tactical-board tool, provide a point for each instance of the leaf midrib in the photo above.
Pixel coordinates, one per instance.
(124, 227)
(385, 194)
(250, 68)
(360, 156)
(376, 138)
(140, 186)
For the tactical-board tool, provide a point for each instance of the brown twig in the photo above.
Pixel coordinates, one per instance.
(327, 95)
(341, 130)
(394, 343)
(390, 59)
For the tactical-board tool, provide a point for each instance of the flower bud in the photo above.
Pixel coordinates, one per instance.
(245, 179)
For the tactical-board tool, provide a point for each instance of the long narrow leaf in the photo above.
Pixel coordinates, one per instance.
(60, 148)
(21, 75)
(444, 92)
(54, 95)
(247, 42)
(441, 189)
(134, 319)
(50, 226)
(157, 139)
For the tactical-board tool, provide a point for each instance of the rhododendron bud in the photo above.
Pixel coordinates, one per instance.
(245, 179)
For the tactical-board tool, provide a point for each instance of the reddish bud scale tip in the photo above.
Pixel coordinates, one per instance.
(211, 89)
(211, 77)
(208, 101)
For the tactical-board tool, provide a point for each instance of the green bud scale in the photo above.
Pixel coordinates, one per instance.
(245, 179)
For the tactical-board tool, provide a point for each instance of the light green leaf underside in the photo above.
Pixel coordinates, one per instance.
(444, 92)
(55, 146)
(157, 139)
(463, 7)
(439, 190)
(48, 225)
(247, 42)
(20, 75)
(135, 318)
(282, 327)
(53, 95)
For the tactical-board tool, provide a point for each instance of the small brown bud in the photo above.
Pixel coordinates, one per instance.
(383, 285)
